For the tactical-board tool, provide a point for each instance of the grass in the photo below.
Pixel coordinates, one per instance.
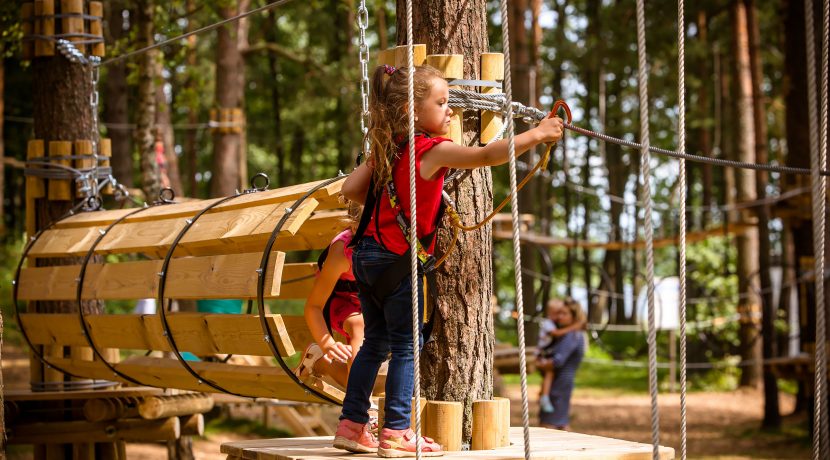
(243, 427)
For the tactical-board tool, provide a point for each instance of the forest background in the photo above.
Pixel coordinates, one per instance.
(294, 71)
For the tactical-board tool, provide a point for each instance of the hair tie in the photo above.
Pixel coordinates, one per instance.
(389, 69)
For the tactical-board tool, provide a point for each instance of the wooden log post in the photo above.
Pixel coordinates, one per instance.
(444, 422)
(50, 374)
(73, 24)
(492, 68)
(381, 411)
(504, 413)
(452, 66)
(44, 25)
(487, 425)
(27, 21)
(55, 433)
(96, 27)
(105, 154)
(84, 354)
(386, 56)
(100, 409)
(35, 187)
(60, 189)
(419, 55)
(155, 407)
(192, 425)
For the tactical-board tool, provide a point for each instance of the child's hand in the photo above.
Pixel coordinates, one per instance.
(558, 332)
(550, 129)
(339, 352)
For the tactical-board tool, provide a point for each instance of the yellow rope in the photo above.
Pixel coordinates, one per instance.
(455, 219)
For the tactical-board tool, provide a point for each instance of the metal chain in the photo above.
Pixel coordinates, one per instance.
(681, 147)
(363, 55)
(514, 205)
(648, 230)
(819, 197)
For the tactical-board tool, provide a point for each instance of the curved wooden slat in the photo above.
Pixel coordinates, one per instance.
(212, 277)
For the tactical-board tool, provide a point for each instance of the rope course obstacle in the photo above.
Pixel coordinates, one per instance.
(206, 249)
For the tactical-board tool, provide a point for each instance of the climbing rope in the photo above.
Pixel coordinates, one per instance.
(648, 230)
(495, 103)
(681, 147)
(819, 197)
(514, 204)
(821, 369)
(413, 229)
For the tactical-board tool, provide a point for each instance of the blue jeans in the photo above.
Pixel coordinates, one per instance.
(387, 329)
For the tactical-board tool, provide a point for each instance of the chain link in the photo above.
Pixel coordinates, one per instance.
(87, 180)
(363, 54)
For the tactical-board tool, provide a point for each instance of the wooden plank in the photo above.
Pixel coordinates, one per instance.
(208, 236)
(316, 233)
(199, 333)
(252, 381)
(13, 394)
(211, 277)
(547, 445)
(191, 208)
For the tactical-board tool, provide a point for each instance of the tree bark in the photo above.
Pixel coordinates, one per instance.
(798, 146)
(458, 365)
(704, 135)
(521, 90)
(772, 415)
(145, 138)
(229, 93)
(590, 74)
(2, 156)
(749, 305)
(116, 101)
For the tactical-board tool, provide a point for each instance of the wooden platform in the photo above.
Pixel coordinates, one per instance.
(545, 445)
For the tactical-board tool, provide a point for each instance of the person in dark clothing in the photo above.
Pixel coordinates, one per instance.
(567, 354)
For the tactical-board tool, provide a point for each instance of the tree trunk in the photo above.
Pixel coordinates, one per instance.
(61, 111)
(458, 365)
(749, 305)
(797, 124)
(164, 127)
(521, 88)
(190, 145)
(2, 163)
(116, 101)
(229, 93)
(276, 106)
(772, 415)
(556, 85)
(704, 135)
(145, 138)
(590, 75)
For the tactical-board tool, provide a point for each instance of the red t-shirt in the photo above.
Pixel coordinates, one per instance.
(427, 193)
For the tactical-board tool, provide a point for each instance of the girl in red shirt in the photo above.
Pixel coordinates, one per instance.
(388, 320)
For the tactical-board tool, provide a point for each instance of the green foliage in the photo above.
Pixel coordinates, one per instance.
(11, 29)
(243, 427)
(10, 251)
